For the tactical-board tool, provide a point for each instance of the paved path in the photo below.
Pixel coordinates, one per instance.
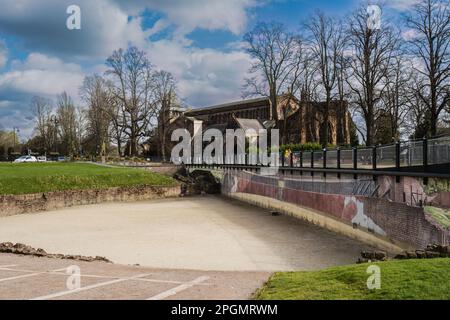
(202, 233)
(31, 278)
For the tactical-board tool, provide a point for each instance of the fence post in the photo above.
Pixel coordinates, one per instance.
(324, 161)
(301, 162)
(312, 162)
(355, 161)
(338, 164)
(397, 160)
(425, 158)
(374, 160)
(291, 160)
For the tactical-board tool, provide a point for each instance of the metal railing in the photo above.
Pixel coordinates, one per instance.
(404, 158)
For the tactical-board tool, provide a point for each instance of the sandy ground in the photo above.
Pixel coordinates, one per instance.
(201, 233)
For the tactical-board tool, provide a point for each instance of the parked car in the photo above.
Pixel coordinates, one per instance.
(42, 159)
(24, 159)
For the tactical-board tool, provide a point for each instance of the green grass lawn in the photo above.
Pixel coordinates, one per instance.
(442, 216)
(24, 178)
(400, 280)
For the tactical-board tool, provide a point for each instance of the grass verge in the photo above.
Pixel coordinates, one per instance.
(442, 216)
(400, 280)
(46, 177)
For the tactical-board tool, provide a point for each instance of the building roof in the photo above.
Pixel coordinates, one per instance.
(230, 106)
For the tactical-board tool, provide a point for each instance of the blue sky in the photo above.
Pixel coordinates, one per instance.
(199, 41)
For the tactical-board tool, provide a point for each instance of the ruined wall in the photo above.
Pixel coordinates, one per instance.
(398, 222)
(413, 191)
(29, 203)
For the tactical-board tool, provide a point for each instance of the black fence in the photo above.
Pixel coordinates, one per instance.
(427, 158)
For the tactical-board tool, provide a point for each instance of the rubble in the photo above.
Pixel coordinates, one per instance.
(22, 249)
(431, 252)
(197, 182)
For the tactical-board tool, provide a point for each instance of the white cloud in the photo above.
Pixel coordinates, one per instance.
(189, 15)
(61, 58)
(37, 75)
(42, 27)
(409, 34)
(205, 76)
(401, 5)
(110, 24)
(40, 74)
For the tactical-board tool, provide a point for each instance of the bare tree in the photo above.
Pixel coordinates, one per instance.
(327, 43)
(395, 95)
(164, 89)
(118, 125)
(309, 86)
(277, 55)
(67, 124)
(132, 79)
(372, 53)
(431, 24)
(95, 93)
(309, 92)
(42, 110)
(417, 120)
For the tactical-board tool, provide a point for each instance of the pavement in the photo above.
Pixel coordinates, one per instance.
(32, 278)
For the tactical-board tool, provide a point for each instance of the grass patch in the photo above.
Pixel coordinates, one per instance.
(400, 280)
(441, 216)
(26, 178)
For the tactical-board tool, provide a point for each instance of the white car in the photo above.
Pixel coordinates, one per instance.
(24, 159)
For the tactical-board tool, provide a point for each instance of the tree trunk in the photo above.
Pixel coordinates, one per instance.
(274, 102)
(369, 133)
(324, 139)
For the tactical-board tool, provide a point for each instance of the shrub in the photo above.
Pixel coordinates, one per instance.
(314, 146)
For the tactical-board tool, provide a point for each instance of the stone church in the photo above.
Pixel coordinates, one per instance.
(302, 119)
(298, 121)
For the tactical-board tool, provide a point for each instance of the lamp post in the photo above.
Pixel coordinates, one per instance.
(15, 131)
(54, 119)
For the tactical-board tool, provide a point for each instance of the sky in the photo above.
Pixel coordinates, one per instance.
(198, 41)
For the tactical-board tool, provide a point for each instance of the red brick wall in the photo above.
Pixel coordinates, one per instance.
(397, 221)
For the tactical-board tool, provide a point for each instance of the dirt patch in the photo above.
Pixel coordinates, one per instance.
(22, 249)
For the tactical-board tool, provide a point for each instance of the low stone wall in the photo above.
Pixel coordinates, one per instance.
(28, 203)
(397, 222)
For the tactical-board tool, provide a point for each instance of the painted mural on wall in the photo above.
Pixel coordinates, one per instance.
(397, 221)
